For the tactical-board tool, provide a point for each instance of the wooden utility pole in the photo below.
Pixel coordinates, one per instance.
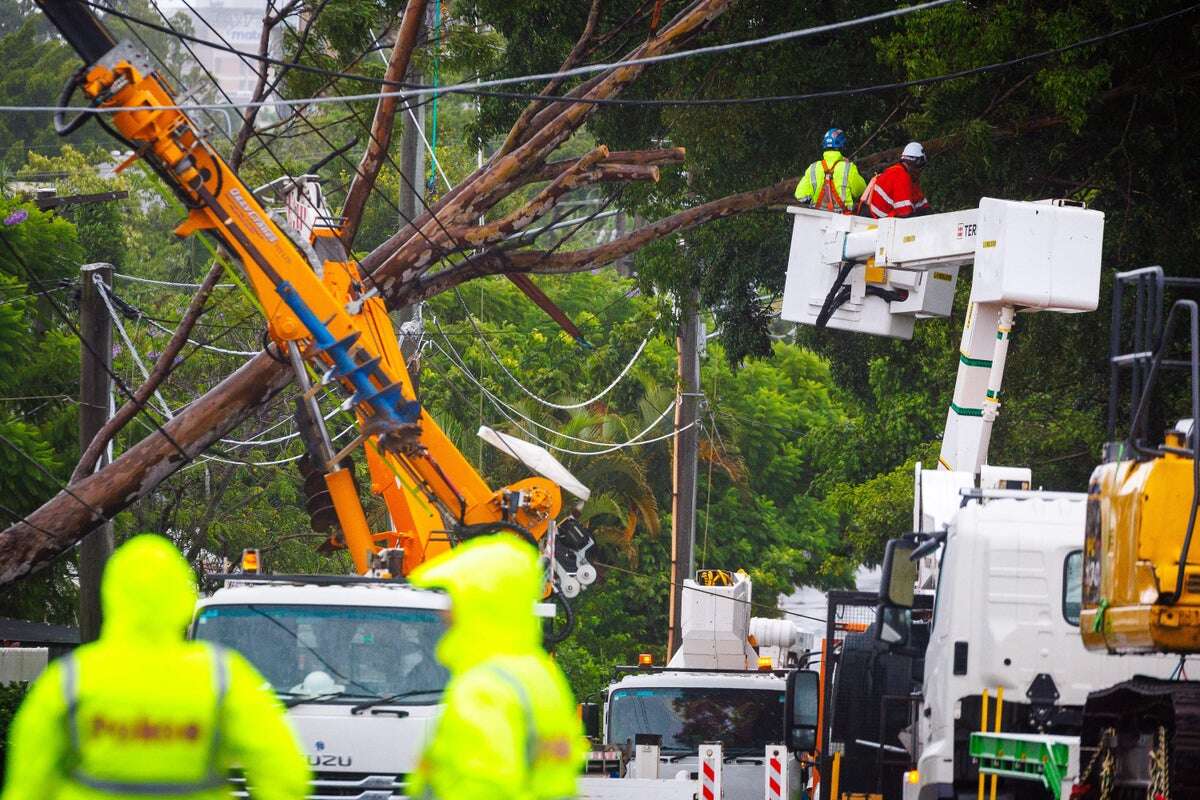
(687, 440)
(95, 386)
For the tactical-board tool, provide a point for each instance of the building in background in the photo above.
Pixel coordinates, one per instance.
(239, 22)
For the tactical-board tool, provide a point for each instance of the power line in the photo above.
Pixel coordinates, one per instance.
(141, 407)
(53, 478)
(102, 290)
(24, 520)
(478, 89)
(586, 69)
(560, 406)
(504, 409)
(172, 284)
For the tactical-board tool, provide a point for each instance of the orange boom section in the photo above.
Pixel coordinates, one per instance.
(322, 317)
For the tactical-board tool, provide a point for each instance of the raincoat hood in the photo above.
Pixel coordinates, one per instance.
(148, 591)
(494, 583)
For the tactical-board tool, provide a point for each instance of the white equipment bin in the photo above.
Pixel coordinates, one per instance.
(1038, 255)
(1034, 255)
(714, 629)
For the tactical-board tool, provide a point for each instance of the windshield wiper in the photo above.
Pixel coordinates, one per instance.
(391, 698)
(296, 698)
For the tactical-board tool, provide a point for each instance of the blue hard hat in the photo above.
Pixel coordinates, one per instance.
(834, 139)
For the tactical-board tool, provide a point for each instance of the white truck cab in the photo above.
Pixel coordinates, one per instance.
(729, 716)
(1006, 617)
(353, 659)
(743, 712)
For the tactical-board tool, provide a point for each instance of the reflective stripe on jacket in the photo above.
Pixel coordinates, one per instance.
(143, 714)
(140, 743)
(894, 193)
(833, 171)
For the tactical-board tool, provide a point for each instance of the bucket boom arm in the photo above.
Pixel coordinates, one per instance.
(880, 276)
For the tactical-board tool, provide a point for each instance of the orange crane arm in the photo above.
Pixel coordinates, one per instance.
(321, 316)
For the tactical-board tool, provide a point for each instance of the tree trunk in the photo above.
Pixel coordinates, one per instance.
(65, 518)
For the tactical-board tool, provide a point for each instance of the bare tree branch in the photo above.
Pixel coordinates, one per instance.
(381, 125)
(497, 261)
(615, 163)
(517, 133)
(418, 246)
(162, 368)
(568, 179)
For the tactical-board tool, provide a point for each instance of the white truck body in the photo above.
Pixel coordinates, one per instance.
(712, 691)
(366, 755)
(1010, 571)
(743, 770)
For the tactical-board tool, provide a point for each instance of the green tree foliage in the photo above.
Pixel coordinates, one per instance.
(809, 438)
(37, 412)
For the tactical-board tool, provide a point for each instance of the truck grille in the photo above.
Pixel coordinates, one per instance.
(341, 786)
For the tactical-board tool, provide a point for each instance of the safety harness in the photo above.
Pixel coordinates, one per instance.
(214, 775)
(828, 198)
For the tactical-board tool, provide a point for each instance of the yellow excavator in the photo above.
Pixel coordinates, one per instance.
(326, 319)
(1141, 573)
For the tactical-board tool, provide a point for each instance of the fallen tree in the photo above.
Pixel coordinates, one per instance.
(442, 248)
(399, 267)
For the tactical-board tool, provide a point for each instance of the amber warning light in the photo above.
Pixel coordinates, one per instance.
(250, 561)
(645, 660)
(765, 664)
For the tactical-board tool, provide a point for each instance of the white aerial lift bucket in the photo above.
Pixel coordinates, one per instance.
(880, 276)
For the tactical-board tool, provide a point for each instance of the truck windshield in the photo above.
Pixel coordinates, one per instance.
(334, 653)
(744, 720)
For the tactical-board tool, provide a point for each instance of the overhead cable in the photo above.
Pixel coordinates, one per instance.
(172, 284)
(471, 89)
(607, 447)
(586, 69)
(202, 345)
(102, 290)
(549, 404)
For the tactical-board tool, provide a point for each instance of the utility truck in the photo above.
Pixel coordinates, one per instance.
(353, 660)
(730, 715)
(1000, 650)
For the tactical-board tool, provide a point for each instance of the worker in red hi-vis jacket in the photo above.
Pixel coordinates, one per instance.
(896, 192)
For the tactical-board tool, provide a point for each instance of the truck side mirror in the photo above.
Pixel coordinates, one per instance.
(893, 625)
(899, 574)
(803, 701)
(590, 714)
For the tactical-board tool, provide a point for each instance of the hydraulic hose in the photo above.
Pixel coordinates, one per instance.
(61, 126)
(553, 637)
(836, 297)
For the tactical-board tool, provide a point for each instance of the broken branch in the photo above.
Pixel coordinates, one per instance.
(568, 179)
(162, 368)
(382, 123)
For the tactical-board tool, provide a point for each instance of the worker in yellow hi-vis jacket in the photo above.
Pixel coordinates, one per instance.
(833, 183)
(141, 713)
(509, 730)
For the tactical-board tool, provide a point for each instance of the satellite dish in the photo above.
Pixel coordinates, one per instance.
(537, 459)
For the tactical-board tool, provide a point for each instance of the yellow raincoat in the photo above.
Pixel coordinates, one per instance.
(509, 730)
(143, 714)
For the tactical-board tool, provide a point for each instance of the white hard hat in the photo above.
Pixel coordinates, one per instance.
(913, 151)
